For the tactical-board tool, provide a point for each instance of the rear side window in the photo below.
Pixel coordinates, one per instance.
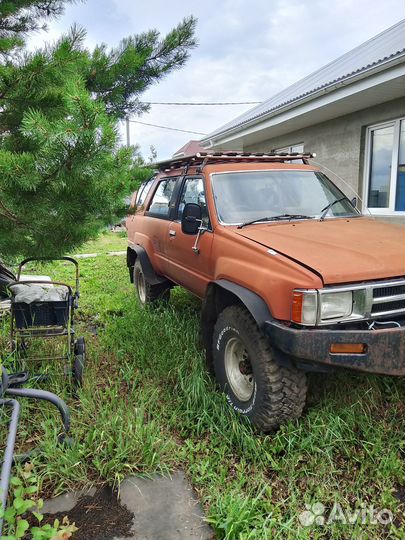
(160, 203)
(143, 192)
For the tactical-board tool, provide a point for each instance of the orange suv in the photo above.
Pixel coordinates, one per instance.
(292, 277)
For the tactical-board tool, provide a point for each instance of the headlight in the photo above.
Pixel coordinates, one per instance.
(336, 305)
(322, 307)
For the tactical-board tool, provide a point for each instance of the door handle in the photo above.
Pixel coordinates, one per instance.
(172, 233)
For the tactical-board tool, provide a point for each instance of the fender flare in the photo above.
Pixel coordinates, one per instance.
(256, 306)
(147, 267)
(252, 301)
(259, 310)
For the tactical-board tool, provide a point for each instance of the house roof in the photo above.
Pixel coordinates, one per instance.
(189, 149)
(374, 53)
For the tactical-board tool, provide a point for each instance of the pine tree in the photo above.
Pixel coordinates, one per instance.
(63, 175)
(19, 18)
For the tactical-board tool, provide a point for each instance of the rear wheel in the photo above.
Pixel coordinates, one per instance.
(147, 293)
(254, 384)
(20, 348)
(79, 362)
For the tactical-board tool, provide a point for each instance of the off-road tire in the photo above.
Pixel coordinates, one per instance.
(147, 293)
(278, 393)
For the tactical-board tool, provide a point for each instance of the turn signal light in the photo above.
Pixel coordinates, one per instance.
(348, 348)
(298, 299)
(304, 307)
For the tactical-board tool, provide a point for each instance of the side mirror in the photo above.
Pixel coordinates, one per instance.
(354, 202)
(191, 219)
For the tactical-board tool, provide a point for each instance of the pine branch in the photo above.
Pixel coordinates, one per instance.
(61, 167)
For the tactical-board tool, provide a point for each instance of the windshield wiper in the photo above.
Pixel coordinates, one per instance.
(281, 217)
(329, 206)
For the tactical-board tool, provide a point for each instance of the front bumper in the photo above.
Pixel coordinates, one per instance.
(385, 353)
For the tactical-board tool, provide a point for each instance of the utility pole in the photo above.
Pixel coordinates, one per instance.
(128, 131)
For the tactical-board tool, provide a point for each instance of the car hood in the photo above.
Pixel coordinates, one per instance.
(339, 250)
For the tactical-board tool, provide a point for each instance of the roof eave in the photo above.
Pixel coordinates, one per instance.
(217, 138)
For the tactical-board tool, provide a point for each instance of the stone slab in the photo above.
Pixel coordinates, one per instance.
(65, 502)
(164, 508)
(85, 255)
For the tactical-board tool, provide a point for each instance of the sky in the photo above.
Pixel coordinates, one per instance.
(247, 51)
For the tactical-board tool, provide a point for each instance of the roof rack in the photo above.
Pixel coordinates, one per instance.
(202, 158)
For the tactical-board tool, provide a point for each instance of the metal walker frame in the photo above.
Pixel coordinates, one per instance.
(24, 327)
(9, 395)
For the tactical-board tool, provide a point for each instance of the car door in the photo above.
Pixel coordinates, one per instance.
(152, 227)
(184, 266)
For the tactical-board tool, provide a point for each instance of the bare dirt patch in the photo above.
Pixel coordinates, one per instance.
(100, 517)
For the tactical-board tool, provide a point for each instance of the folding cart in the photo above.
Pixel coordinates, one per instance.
(48, 319)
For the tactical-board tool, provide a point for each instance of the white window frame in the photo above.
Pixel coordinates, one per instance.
(390, 211)
(289, 148)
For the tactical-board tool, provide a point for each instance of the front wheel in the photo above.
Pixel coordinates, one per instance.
(147, 293)
(254, 384)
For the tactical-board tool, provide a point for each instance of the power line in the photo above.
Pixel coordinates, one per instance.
(166, 127)
(201, 103)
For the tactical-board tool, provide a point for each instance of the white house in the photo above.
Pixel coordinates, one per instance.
(351, 112)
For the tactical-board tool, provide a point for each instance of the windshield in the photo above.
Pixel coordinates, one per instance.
(242, 197)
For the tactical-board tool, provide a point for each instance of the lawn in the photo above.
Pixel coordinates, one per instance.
(148, 406)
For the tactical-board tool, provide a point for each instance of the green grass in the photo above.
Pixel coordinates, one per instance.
(148, 406)
(106, 242)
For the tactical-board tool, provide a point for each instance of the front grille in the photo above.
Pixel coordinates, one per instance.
(388, 299)
(389, 291)
(389, 306)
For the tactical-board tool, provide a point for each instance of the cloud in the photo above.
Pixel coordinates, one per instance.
(247, 51)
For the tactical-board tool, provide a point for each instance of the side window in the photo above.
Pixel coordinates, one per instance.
(138, 196)
(160, 203)
(193, 192)
(143, 192)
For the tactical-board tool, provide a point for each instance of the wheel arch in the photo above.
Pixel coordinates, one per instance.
(136, 252)
(221, 294)
(131, 260)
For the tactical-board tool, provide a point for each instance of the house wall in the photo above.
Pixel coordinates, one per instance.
(339, 144)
